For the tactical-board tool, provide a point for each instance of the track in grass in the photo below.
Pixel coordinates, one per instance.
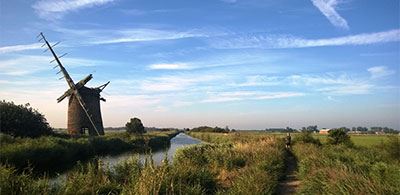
(290, 182)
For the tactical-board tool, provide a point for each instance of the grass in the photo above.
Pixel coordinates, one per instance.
(243, 165)
(339, 169)
(360, 140)
(50, 153)
(233, 163)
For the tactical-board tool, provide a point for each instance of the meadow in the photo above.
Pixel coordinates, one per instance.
(231, 163)
(241, 165)
(48, 154)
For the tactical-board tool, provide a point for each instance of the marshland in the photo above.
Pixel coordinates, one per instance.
(187, 97)
(201, 160)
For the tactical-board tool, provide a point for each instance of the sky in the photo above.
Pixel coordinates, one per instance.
(246, 64)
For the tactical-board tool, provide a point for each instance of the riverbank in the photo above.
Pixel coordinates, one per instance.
(244, 164)
(50, 154)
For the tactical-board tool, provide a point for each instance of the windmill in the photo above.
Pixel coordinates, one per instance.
(84, 102)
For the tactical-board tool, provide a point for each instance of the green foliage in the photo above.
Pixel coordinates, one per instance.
(210, 129)
(391, 147)
(339, 169)
(49, 153)
(135, 126)
(339, 136)
(22, 121)
(306, 137)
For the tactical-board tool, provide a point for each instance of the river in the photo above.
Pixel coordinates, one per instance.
(179, 141)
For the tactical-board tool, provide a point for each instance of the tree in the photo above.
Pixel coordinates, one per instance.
(312, 128)
(22, 120)
(339, 136)
(135, 126)
(306, 137)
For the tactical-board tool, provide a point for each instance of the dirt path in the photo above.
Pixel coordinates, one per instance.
(290, 183)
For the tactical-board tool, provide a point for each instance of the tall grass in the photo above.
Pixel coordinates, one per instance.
(243, 163)
(50, 153)
(245, 166)
(347, 170)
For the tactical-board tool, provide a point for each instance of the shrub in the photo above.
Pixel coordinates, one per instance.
(306, 137)
(392, 147)
(339, 136)
(210, 129)
(135, 126)
(22, 120)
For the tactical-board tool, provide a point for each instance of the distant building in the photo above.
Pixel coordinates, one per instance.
(324, 131)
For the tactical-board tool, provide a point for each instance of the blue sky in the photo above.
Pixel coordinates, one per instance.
(248, 64)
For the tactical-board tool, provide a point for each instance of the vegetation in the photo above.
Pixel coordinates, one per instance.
(306, 137)
(49, 153)
(339, 136)
(233, 163)
(340, 169)
(22, 120)
(135, 126)
(246, 165)
(210, 129)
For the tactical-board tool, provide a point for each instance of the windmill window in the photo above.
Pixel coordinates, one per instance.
(84, 129)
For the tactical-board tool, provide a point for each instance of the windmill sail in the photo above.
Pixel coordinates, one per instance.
(74, 92)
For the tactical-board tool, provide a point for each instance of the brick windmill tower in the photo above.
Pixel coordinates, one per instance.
(84, 112)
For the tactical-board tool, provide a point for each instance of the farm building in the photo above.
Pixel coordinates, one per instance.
(324, 131)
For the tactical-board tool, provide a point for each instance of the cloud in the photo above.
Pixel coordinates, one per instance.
(229, 1)
(273, 41)
(16, 48)
(350, 89)
(174, 83)
(328, 8)
(334, 84)
(55, 9)
(142, 35)
(379, 72)
(30, 64)
(175, 66)
(259, 80)
(128, 35)
(249, 95)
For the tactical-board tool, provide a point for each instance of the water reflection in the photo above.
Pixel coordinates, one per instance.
(179, 141)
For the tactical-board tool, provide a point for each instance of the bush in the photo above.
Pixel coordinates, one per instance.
(392, 147)
(306, 137)
(210, 129)
(22, 120)
(339, 136)
(135, 126)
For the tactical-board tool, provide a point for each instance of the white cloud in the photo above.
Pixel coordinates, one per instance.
(173, 83)
(55, 9)
(140, 35)
(127, 35)
(229, 1)
(29, 64)
(334, 84)
(175, 66)
(328, 8)
(380, 72)
(351, 89)
(249, 95)
(16, 48)
(270, 41)
(259, 80)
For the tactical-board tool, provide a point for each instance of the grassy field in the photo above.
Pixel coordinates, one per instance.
(359, 140)
(56, 153)
(231, 163)
(245, 164)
